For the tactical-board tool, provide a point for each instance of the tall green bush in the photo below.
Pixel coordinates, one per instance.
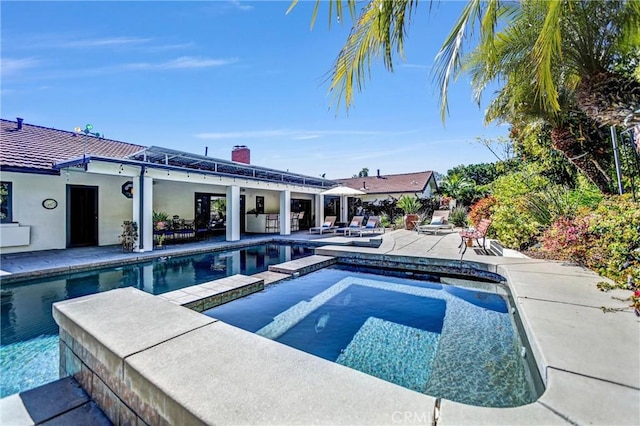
(513, 224)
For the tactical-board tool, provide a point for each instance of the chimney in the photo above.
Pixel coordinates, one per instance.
(241, 154)
(378, 172)
(19, 123)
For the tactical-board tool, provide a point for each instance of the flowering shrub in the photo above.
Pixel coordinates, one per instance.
(568, 238)
(606, 240)
(635, 302)
(615, 225)
(482, 210)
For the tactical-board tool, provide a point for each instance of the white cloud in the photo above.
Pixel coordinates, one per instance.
(286, 133)
(305, 137)
(239, 5)
(176, 46)
(105, 42)
(11, 66)
(192, 62)
(183, 62)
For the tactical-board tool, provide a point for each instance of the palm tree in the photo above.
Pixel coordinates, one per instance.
(455, 185)
(574, 134)
(594, 39)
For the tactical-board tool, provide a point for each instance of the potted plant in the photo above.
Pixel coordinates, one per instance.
(160, 240)
(129, 235)
(159, 219)
(410, 207)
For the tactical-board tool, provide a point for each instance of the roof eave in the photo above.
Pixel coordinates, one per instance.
(84, 161)
(30, 170)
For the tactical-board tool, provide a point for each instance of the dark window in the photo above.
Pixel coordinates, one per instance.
(6, 213)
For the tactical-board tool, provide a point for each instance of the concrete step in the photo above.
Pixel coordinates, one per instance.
(62, 402)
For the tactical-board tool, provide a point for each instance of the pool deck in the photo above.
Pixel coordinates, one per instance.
(585, 341)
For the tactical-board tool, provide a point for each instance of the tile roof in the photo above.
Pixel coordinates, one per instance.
(36, 147)
(388, 184)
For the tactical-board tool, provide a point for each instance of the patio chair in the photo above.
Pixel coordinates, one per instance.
(356, 223)
(295, 221)
(327, 226)
(475, 234)
(372, 227)
(272, 222)
(439, 221)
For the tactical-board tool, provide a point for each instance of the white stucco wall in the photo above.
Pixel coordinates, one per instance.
(48, 227)
(178, 198)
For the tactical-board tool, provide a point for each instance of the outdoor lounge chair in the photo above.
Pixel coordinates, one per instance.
(372, 227)
(475, 234)
(327, 226)
(439, 221)
(355, 224)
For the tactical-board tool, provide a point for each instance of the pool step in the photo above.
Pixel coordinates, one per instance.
(271, 277)
(304, 266)
(213, 293)
(61, 402)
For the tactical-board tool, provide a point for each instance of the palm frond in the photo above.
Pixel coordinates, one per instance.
(448, 61)
(549, 47)
(378, 31)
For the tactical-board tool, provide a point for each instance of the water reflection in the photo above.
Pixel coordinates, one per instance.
(26, 307)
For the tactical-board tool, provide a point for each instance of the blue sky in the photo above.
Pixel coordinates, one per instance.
(190, 75)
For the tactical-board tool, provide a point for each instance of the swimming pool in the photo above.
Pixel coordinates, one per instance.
(447, 341)
(29, 335)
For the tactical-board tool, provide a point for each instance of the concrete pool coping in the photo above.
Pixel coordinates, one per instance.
(589, 359)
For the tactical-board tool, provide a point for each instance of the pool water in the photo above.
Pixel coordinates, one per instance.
(442, 340)
(29, 339)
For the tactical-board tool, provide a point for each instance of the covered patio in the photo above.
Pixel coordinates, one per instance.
(204, 196)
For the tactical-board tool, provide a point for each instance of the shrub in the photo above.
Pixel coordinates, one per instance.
(513, 223)
(384, 221)
(458, 217)
(550, 203)
(398, 222)
(615, 226)
(586, 193)
(568, 238)
(606, 240)
(513, 226)
(482, 210)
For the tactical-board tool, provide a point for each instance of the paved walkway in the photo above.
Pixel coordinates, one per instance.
(585, 341)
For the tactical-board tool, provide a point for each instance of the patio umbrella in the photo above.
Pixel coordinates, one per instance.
(343, 190)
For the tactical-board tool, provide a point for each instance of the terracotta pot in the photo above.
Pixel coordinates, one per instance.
(409, 220)
(469, 242)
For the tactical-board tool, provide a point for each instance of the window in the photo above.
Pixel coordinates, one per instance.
(5, 202)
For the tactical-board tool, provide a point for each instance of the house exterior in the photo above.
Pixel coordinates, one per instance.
(62, 189)
(382, 188)
(392, 187)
